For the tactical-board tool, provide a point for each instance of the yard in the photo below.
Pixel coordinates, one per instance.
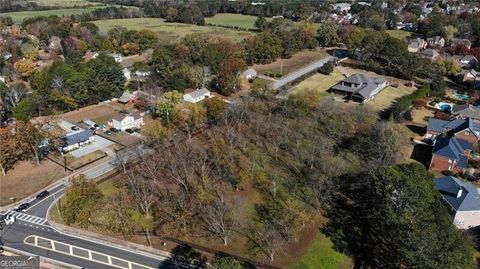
(400, 34)
(170, 32)
(235, 20)
(19, 16)
(27, 178)
(320, 82)
(388, 96)
(297, 61)
(100, 114)
(419, 115)
(75, 163)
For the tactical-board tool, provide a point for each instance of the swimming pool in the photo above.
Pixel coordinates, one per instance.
(461, 96)
(445, 107)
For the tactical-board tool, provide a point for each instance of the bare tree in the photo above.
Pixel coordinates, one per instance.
(265, 239)
(218, 217)
(143, 191)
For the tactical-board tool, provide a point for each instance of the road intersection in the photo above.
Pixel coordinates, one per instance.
(32, 231)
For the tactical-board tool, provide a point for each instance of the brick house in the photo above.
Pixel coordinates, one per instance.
(450, 153)
(462, 199)
(465, 129)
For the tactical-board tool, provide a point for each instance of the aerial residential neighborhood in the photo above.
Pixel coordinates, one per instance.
(234, 134)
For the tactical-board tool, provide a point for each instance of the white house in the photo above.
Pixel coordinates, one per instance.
(75, 140)
(197, 95)
(127, 73)
(462, 199)
(117, 56)
(250, 73)
(124, 121)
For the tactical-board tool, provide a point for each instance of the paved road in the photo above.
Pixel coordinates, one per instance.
(32, 233)
(300, 72)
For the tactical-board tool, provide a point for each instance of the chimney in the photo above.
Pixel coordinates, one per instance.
(459, 193)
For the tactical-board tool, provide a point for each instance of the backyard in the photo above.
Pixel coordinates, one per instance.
(297, 61)
(171, 32)
(400, 34)
(27, 178)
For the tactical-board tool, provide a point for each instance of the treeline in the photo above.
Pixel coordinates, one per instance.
(299, 157)
(20, 5)
(106, 13)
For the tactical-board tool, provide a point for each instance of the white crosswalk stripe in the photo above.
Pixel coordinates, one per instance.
(28, 218)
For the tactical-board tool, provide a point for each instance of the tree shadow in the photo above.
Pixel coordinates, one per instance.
(422, 154)
(184, 256)
(420, 130)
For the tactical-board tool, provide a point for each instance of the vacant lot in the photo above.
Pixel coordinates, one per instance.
(27, 178)
(297, 61)
(75, 163)
(19, 16)
(235, 20)
(66, 3)
(319, 82)
(100, 114)
(171, 32)
(400, 34)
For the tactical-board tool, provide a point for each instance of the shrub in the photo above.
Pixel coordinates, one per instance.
(326, 69)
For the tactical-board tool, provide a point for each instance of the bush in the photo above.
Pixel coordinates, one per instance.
(326, 69)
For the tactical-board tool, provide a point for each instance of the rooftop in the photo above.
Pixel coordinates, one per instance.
(77, 137)
(459, 194)
(452, 148)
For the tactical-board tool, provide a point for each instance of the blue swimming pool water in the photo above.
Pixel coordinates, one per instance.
(461, 96)
(445, 107)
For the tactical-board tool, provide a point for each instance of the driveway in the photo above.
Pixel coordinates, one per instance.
(100, 143)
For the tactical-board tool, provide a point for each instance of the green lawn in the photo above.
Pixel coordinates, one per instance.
(19, 16)
(320, 254)
(320, 82)
(170, 31)
(237, 20)
(400, 34)
(67, 3)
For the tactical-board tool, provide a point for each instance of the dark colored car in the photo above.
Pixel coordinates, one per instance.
(75, 128)
(129, 131)
(22, 207)
(43, 194)
(114, 130)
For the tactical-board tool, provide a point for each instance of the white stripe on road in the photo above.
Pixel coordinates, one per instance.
(28, 218)
(90, 255)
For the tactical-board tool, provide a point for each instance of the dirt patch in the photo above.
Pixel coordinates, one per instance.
(90, 112)
(297, 61)
(27, 178)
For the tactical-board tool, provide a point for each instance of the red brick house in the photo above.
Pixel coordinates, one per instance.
(450, 153)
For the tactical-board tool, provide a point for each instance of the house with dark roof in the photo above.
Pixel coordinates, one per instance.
(431, 54)
(466, 129)
(462, 199)
(359, 87)
(466, 111)
(77, 139)
(461, 42)
(466, 60)
(450, 153)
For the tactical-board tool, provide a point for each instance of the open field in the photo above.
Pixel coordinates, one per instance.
(236, 20)
(400, 34)
(99, 114)
(320, 254)
(27, 178)
(19, 16)
(66, 3)
(170, 31)
(297, 61)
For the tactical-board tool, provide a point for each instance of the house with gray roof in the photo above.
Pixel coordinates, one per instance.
(431, 54)
(359, 87)
(461, 42)
(466, 129)
(77, 139)
(462, 199)
(197, 95)
(466, 111)
(450, 153)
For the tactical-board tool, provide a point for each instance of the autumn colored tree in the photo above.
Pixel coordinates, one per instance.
(30, 138)
(24, 67)
(167, 104)
(130, 48)
(10, 150)
(216, 108)
(229, 75)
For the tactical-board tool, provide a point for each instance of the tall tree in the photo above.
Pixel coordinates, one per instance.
(392, 217)
(327, 33)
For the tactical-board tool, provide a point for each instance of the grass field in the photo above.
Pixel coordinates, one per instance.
(75, 163)
(170, 31)
(19, 16)
(400, 34)
(319, 82)
(320, 254)
(236, 20)
(66, 3)
(27, 178)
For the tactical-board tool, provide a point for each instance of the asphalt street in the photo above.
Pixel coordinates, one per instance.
(32, 223)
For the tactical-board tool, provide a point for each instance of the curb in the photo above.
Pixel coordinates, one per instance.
(110, 241)
(42, 259)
